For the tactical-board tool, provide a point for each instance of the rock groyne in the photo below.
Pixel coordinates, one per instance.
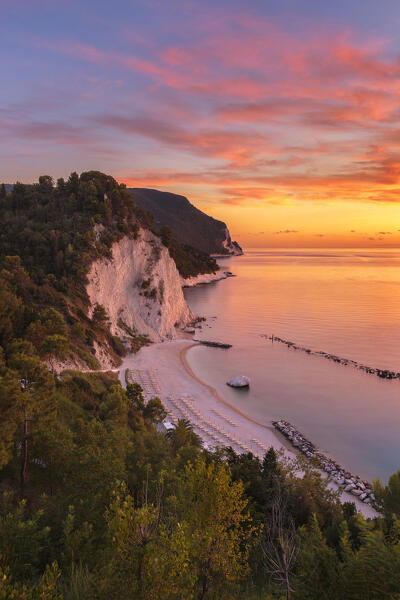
(382, 373)
(213, 344)
(353, 484)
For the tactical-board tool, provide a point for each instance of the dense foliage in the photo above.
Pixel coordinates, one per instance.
(102, 506)
(97, 504)
(57, 230)
(49, 235)
(189, 261)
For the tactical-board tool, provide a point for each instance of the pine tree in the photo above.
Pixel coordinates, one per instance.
(36, 405)
(317, 565)
(10, 400)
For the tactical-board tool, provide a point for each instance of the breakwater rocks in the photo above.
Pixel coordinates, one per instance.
(344, 479)
(382, 373)
(214, 344)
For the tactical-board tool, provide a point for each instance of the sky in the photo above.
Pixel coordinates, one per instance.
(280, 117)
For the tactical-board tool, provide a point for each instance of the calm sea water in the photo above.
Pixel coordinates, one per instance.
(345, 302)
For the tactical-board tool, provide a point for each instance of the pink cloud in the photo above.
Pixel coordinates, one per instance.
(237, 147)
(277, 115)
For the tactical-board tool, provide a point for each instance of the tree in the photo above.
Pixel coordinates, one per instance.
(10, 308)
(166, 235)
(279, 543)
(61, 184)
(73, 183)
(134, 392)
(23, 538)
(88, 192)
(317, 565)
(114, 408)
(46, 184)
(154, 411)
(196, 545)
(37, 402)
(46, 589)
(50, 324)
(183, 435)
(390, 495)
(53, 322)
(99, 314)
(54, 347)
(372, 570)
(217, 526)
(135, 532)
(3, 192)
(10, 400)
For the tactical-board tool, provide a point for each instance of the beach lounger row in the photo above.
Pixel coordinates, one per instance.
(206, 429)
(147, 380)
(224, 417)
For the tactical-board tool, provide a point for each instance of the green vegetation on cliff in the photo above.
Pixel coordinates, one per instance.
(58, 230)
(49, 236)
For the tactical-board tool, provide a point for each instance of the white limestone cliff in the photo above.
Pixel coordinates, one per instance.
(139, 287)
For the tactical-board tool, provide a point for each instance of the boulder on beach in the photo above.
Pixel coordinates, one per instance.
(239, 381)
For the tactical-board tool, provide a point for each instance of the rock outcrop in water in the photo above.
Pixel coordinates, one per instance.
(204, 278)
(382, 373)
(241, 381)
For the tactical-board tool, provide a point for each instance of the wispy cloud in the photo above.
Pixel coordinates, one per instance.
(257, 113)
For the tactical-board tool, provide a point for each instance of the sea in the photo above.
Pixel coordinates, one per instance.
(344, 302)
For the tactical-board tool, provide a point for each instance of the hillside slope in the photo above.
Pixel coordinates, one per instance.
(188, 224)
(82, 248)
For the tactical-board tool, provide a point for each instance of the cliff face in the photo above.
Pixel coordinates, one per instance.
(230, 247)
(140, 288)
(189, 224)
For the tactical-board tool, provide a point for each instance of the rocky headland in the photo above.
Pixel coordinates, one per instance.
(189, 224)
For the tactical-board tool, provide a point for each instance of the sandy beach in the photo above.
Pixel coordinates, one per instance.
(162, 370)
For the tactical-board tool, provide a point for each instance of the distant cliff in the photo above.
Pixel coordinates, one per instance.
(189, 224)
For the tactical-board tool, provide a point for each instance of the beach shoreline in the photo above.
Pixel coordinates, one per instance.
(163, 370)
(183, 356)
(166, 363)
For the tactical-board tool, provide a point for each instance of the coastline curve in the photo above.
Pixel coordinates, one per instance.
(183, 357)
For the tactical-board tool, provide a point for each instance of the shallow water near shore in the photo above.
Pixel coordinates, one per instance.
(344, 302)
